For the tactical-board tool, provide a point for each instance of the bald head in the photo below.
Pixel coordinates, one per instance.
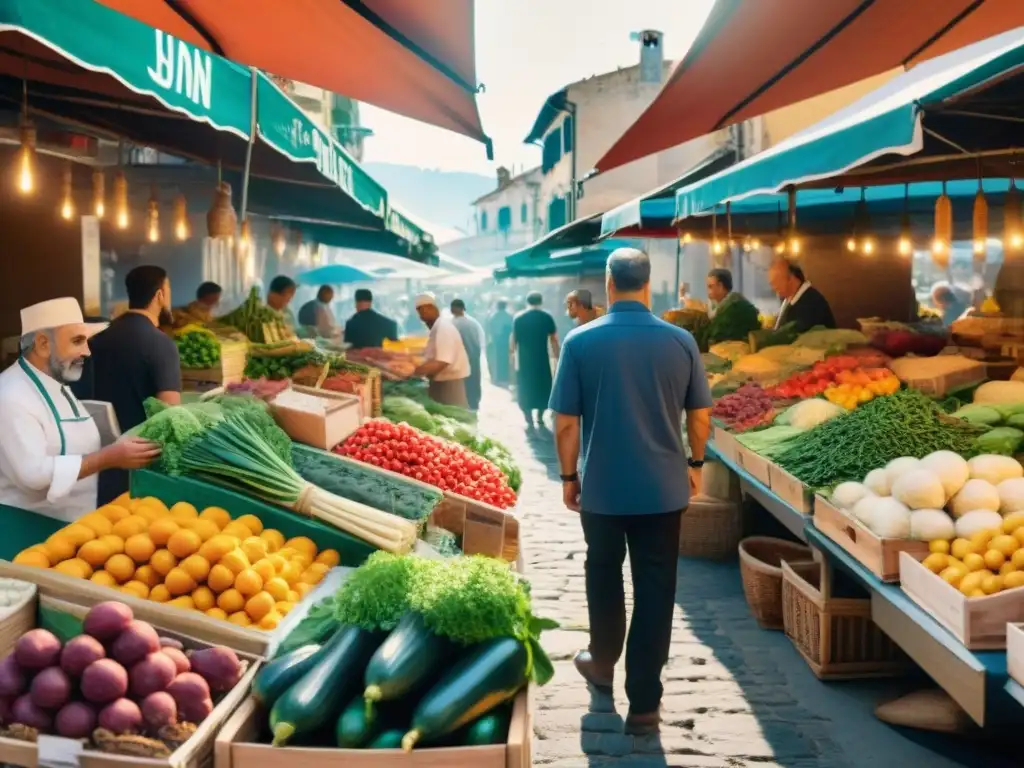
(785, 278)
(628, 276)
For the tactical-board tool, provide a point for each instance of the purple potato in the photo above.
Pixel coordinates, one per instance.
(105, 621)
(159, 709)
(121, 716)
(27, 713)
(219, 666)
(191, 693)
(135, 643)
(154, 673)
(5, 710)
(170, 642)
(37, 649)
(79, 652)
(196, 711)
(180, 660)
(12, 677)
(51, 688)
(104, 681)
(76, 720)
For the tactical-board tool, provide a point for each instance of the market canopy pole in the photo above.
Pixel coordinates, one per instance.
(254, 112)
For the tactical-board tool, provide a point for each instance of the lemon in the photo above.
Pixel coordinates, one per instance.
(994, 559)
(1005, 544)
(952, 576)
(992, 584)
(974, 562)
(972, 581)
(1013, 580)
(960, 548)
(1013, 521)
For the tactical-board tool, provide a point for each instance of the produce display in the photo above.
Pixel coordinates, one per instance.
(417, 391)
(254, 319)
(410, 652)
(285, 359)
(899, 339)
(119, 685)
(820, 377)
(400, 364)
(861, 385)
(230, 569)
(915, 369)
(198, 347)
(262, 389)
(749, 406)
(450, 467)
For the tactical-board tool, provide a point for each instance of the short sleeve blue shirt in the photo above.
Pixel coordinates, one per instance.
(629, 377)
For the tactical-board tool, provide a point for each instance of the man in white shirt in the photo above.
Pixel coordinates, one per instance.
(446, 364)
(50, 451)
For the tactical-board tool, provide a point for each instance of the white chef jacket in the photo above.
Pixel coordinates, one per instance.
(445, 344)
(44, 433)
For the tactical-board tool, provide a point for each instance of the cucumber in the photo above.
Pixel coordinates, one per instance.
(406, 662)
(391, 739)
(279, 675)
(491, 728)
(357, 725)
(488, 675)
(318, 696)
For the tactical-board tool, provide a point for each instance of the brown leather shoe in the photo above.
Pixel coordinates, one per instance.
(589, 669)
(643, 725)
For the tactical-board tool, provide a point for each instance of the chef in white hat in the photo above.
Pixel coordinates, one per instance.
(446, 364)
(50, 448)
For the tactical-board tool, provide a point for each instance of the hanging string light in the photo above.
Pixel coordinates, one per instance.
(27, 150)
(99, 205)
(1012, 234)
(245, 238)
(153, 217)
(685, 238)
(943, 228)
(121, 214)
(906, 244)
(278, 239)
(717, 247)
(182, 230)
(980, 221)
(67, 206)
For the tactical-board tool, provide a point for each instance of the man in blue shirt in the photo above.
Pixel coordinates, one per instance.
(622, 386)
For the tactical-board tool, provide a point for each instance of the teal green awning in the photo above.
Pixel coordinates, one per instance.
(561, 262)
(886, 123)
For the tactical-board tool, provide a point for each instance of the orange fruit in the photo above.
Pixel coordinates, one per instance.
(160, 594)
(293, 596)
(116, 543)
(130, 526)
(184, 543)
(304, 545)
(311, 577)
(178, 582)
(59, 547)
(259, 605)
(230, 601)
(283, 607)
(33, 558)
(124, 500)
(216, 515)
(319, 568)
(248, 582)
(278, 588)
(97, 523)
(216, 547)
(77, 533)
(148, 576)
(241, 618)
(217, 613)
(205, 528)
(328, 557)
(203, 598)
(183, 511)
(148, 513)
(161, 529)
(183, 601)
(162, 561)
(235, 560)
(255, 548)
(274, 539)
(104, 579)
(74, 567)
(220, 578)
(197, 567)
(113, 512)
(291, 572)
(139, 548)
(303, 589)
(95, 552)
(265, 569)
(121, 567)
(152, 501)
(136, 588)
(252, 522)
(269, 621)
(239, 530)
(278, 562)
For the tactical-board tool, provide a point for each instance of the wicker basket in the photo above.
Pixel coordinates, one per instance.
(836, 635)
(711, 529)
(761, 559)
(16, 620)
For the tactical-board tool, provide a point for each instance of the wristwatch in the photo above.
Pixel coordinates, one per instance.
(695, 463)
(570, 478)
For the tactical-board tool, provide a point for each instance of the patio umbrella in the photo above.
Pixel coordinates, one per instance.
(755, 56)
(334, 274)
(417, 59)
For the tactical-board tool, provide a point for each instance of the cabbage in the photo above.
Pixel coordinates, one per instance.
(810, 413)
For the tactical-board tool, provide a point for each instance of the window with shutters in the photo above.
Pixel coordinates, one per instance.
(483, 221)
(556, 213)
(524, 213)
(504, 218)
(552, 151)
(567, 135)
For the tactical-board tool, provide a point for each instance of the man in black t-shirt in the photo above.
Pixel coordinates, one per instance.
(368, 327)
(133, 360)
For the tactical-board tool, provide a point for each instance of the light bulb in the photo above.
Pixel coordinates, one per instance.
(938, 246)
(868, 246)
(245, 239)
(979, 247)
(718, 247)
(99, 207)
(121, 216)
(181, 227)
(1016, 240)
(851, 244)
(279, 241)
(794, 245)
(685, 238)
(755, 244)
(181, 231)
(67, 207)
(905, 246)
(153, 219)
(67, 211)
(27, 160)
(780, 247)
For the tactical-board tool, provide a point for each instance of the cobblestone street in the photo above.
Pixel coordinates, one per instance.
(735, 695)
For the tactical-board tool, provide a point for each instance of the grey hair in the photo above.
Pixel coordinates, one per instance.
(629, 269)
(29, 339)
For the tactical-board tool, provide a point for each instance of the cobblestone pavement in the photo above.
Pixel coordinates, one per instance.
(735, 695)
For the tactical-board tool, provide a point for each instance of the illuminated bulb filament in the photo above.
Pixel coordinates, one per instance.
(181, 230)
(26, 177)
(851, 245)
(868, 247)
(755, 244)
(938, 246)
(67, 211)
(1016, 240)
(979, 246)
(794, 245)
(905, 246)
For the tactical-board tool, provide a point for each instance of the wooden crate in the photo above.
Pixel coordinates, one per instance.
(230, 369)
(1015, 652)
(238, 747)
(977, 622)
(880, 556)
(756, 466)
(485, 530)
(341, 418)
(197, 752)
(937, 386)
(790, 489)
(725, 444)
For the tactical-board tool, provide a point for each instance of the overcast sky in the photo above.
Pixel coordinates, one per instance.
(525, 51)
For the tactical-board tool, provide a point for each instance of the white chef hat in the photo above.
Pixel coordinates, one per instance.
(426, 299)
(53, 314)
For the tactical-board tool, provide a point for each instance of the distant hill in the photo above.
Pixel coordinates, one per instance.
(441, 197)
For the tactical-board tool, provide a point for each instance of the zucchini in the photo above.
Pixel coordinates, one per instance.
(279, 675)
(318, 696)
(406, 662)
(491, 728)
(391, 739)
(316, 628)
(357, 725)
(490, 674)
